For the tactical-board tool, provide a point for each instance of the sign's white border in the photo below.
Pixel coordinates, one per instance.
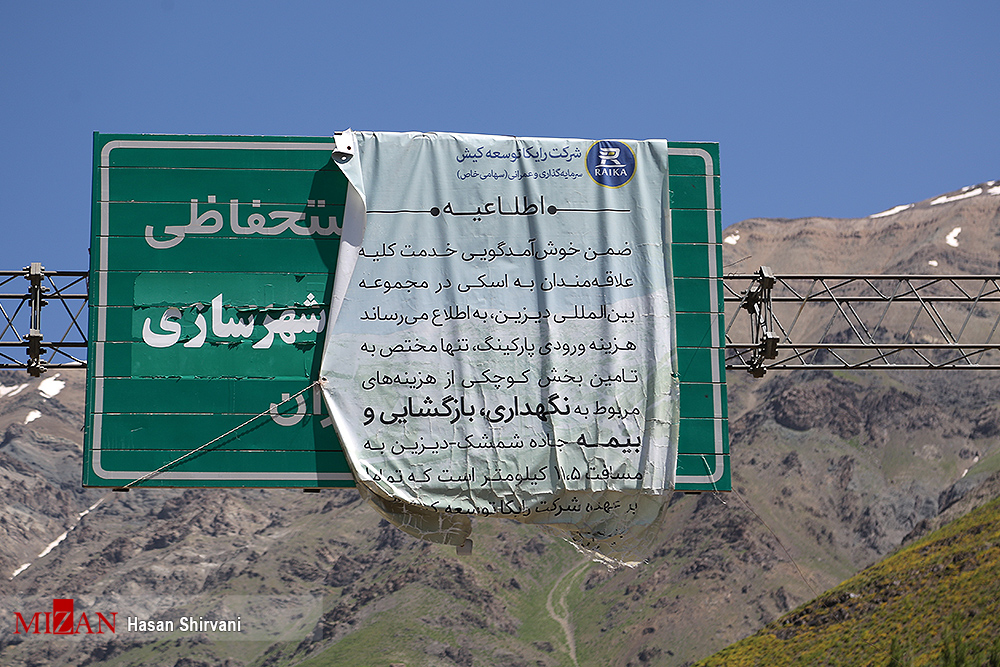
(713, 274)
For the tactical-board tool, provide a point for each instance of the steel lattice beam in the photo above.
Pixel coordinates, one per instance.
(23, 345)
(773, 322)
(845, 321)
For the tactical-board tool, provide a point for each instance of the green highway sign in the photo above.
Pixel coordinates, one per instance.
(212, 273)
(212, 265)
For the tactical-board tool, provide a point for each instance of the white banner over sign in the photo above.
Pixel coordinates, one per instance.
(502, 334)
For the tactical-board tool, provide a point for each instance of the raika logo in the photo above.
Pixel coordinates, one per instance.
(610, 163)
(62, 621)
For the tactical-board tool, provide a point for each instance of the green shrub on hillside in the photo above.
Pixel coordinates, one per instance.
(936, 602)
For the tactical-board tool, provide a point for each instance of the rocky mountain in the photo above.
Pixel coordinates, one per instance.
(953, 233)
(833, 471)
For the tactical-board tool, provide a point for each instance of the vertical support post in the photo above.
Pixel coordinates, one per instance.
(35, 274)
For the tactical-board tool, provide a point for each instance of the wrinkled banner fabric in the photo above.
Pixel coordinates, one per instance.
(502, 337)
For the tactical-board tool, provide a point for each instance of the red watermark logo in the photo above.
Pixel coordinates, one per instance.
(63, 621)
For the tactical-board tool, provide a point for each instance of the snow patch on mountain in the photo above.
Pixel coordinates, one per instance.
(56, 542)
(967, 192)
(12, 390)
(50, 387)
(892, 211)
(944, 199)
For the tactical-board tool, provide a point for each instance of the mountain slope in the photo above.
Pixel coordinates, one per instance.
(945, 584)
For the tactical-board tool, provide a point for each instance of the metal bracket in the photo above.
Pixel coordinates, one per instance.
(345, 146)
(36, 290)
(757, 302)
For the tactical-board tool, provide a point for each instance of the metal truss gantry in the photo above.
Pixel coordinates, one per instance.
(845, 321)
(21, 319)
(773, 322)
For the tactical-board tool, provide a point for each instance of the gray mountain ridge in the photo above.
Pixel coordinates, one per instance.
(842, 466)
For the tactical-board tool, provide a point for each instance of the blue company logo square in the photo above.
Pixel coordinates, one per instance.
(610, 163)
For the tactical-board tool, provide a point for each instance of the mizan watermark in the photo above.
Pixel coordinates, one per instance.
(62, 621)
(233, 618)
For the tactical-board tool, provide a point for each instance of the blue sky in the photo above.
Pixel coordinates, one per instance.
(834, 109)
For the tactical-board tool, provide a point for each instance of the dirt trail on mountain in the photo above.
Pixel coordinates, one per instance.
(559, 611)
